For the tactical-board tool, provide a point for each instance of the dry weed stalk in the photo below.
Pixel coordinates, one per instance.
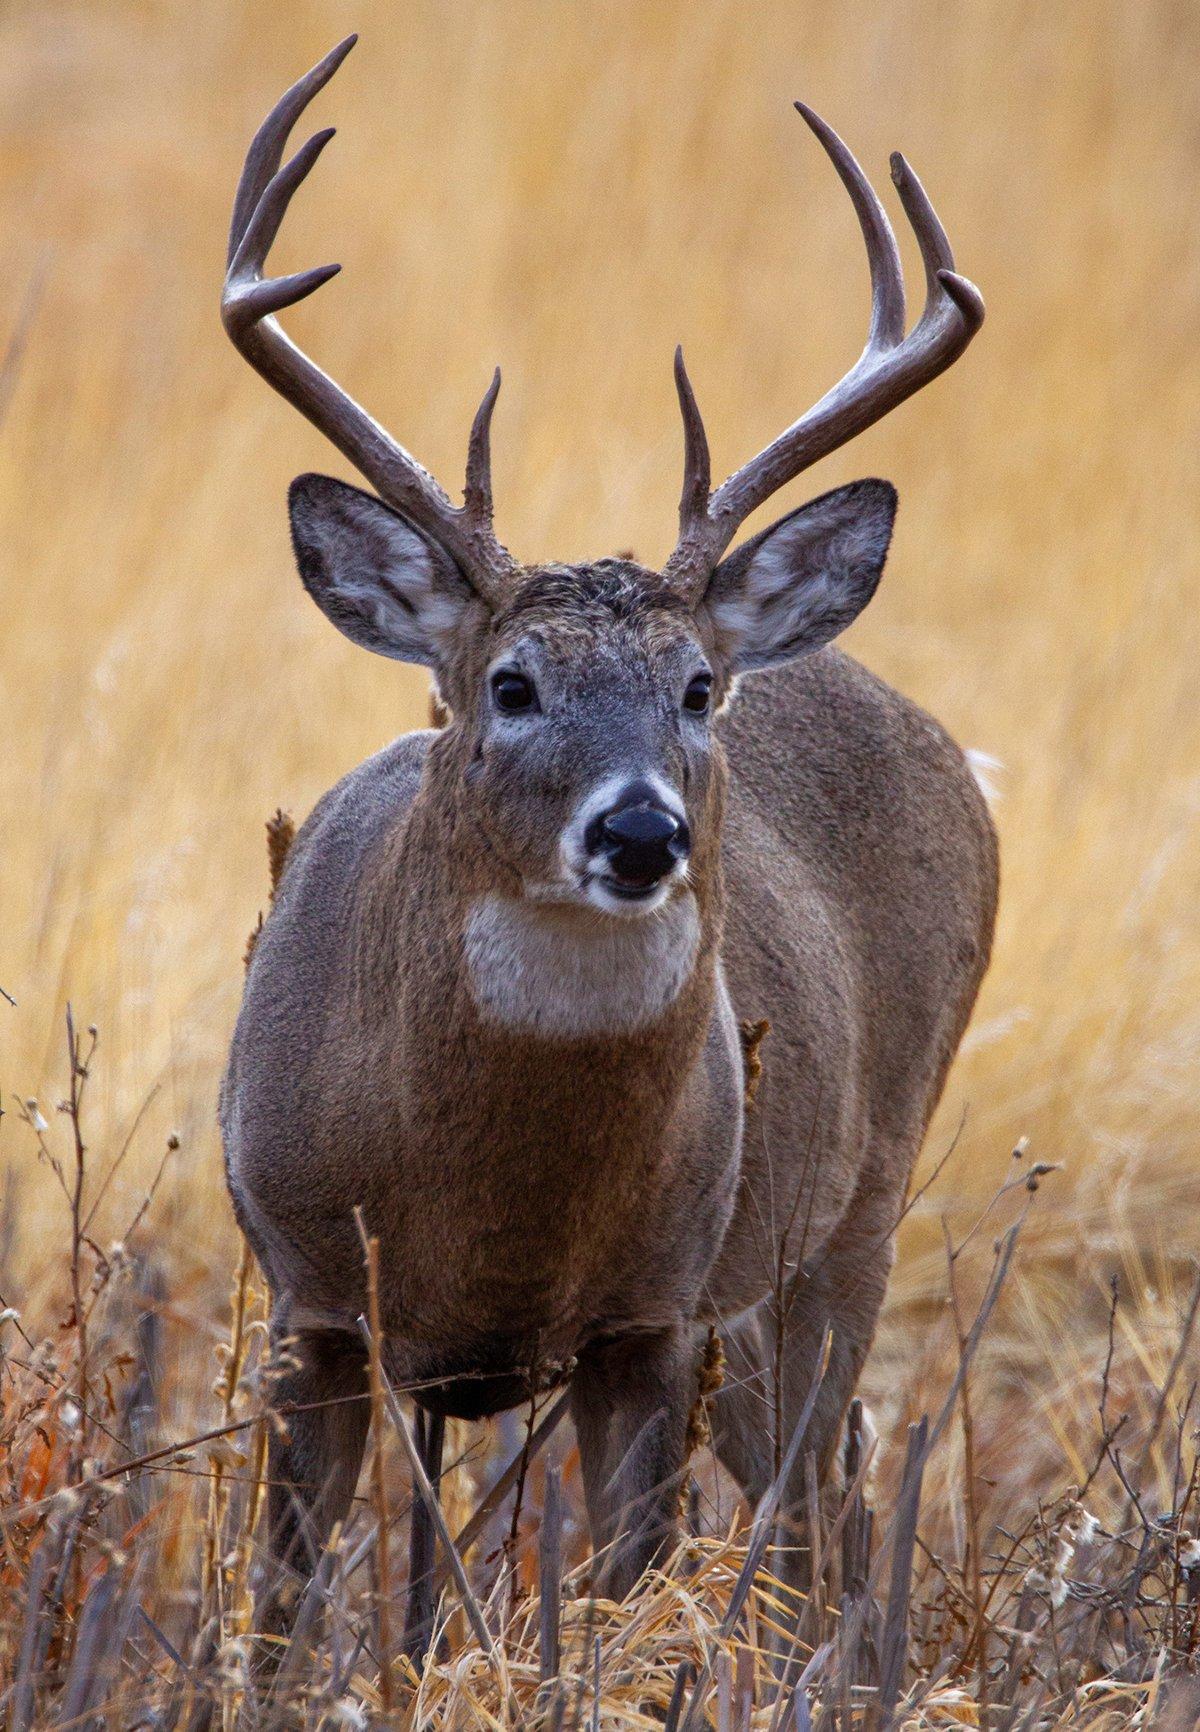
(753, 1034)
(710, 1377)
(383, 1572)
(281, 833)
(231, 1521)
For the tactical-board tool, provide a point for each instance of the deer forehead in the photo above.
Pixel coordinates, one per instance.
(572, 608)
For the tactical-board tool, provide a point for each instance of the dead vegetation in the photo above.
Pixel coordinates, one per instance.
(133, 1506)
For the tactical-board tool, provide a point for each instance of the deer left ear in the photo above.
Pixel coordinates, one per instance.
(801, 582)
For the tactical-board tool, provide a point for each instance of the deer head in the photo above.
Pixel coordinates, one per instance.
(583, 696)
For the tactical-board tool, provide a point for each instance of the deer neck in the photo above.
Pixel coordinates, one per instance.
(491, 994)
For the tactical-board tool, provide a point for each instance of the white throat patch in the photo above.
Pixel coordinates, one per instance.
(567, 972)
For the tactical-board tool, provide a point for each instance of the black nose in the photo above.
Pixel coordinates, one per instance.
(641, 838)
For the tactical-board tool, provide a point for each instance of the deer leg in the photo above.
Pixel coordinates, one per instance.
(841, 1288)
(419, 1608)
(630, 1400)
(314, 1463)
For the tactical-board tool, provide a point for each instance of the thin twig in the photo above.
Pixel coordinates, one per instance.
(383, 1585)
(978, 1634)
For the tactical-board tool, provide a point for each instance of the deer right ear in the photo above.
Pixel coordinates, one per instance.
(383, 583)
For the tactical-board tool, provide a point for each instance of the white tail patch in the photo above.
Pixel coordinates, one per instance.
(987, 772)
(999, 1028)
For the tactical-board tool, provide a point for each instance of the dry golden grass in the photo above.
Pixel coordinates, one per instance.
(570, 189)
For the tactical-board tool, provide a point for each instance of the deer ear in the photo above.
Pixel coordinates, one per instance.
(382, 582)
(798, 584)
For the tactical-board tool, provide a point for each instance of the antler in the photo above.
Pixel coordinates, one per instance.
(890, 368)
(249, 302)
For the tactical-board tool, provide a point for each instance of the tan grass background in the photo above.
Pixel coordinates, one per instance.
(570, 189)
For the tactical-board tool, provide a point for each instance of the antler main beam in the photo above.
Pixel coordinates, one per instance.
(249, 302)
(891, 367)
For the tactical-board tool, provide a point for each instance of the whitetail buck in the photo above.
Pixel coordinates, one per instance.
(497, 1002)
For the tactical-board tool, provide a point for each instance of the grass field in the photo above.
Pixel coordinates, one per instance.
(569, 190)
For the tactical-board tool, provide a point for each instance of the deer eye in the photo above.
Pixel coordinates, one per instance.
(513, 693)
(695, 699)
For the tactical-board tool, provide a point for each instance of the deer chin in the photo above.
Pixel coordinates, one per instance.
(554, 969)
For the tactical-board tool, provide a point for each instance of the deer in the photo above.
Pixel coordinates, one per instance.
(497, 1003)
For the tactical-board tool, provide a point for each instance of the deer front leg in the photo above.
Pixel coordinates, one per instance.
(630, 1400)
(314, 1464)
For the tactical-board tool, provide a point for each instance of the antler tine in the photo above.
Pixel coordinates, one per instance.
(697, 468)
(883, 255)
(477, 494)
(250, 300)
(891, 367)
(936, 252)
(266, 147)
(258, 235)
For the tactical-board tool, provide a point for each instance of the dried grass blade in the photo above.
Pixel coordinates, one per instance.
(550, 1573)
(36, 1611)
(97, 1625)
(315, 1595)
(683, 1677)
(374, 1337)
(904, 1538)
(987, 1306)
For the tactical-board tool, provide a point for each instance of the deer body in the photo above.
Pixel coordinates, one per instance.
(496, 1005)
(516, 1179)
(537, 1194)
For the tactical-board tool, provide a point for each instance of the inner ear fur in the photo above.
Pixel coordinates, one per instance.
(797, 584)
(383, 582)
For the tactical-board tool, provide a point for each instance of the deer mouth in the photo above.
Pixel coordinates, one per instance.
(631, 897)
(631, 889)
